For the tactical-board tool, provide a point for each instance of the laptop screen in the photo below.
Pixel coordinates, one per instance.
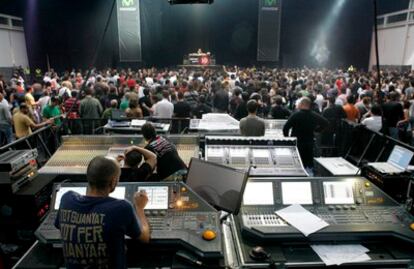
(400, 157)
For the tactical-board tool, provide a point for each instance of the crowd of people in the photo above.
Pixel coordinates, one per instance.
(184, 93)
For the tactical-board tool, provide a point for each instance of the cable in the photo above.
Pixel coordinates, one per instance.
(95, 56)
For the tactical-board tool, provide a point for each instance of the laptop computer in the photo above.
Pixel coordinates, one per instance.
(397, 162)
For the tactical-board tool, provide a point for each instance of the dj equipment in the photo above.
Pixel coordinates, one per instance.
(354, 208)
(395, 185)
(334, 166)
(268, 156)
(17, 168)
(31, 202)
(176, 214)
(75, 153)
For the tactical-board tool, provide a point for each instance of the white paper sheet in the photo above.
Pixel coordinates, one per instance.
(138, 123)
(339, 254)
(303, 220)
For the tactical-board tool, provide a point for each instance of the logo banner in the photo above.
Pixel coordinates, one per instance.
(129, 30)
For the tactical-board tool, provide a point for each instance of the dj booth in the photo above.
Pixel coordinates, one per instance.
(201, 59)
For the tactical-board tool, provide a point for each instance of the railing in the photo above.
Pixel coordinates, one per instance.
(11, 23)
(96, 126)
(396, 18)
(46, 140)
(361, 145)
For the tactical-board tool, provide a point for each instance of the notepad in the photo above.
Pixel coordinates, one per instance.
(303, 220)
(340, 254)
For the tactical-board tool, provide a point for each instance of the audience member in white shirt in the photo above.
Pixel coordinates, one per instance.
(374, 122)
(164, 108)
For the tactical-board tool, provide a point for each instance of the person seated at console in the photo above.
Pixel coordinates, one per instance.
(169, 164)
(133, 170)
(93, 227)
(252, 125)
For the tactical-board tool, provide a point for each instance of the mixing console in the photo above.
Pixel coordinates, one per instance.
(76, 152)
(354, 208)
(274, 128)
(175, 213)
(267, 156)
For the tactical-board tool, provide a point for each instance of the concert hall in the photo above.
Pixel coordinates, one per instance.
(206, 134)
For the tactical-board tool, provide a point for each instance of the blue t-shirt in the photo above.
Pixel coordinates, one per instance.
(93, 230)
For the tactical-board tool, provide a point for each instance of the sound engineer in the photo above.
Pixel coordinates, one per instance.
(169, 163)
(132, 170)
(93, 227)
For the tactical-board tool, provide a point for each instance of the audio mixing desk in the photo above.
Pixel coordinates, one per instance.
(75, 153)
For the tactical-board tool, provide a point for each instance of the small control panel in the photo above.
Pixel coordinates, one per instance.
(175, 214)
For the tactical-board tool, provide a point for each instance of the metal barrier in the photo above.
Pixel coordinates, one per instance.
(360, 145)
(46, 140)
(95, 126)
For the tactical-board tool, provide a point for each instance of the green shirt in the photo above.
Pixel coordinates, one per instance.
(124, 105)
(107, 114)
(50, 112)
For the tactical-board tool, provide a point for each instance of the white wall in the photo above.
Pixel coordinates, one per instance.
(392, 46)
(13, 50)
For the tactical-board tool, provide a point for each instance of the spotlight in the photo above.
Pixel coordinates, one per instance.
(179, 2)
(320, 51)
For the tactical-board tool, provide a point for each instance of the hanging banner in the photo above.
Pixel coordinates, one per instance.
(268, 37)
(129, 30)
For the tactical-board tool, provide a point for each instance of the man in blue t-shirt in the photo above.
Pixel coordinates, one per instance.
(93, 227)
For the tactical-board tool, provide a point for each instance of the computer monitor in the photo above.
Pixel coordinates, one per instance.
(400, 157)
(219, 185)
(118, 115)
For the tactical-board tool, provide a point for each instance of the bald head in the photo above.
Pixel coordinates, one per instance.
(103, 174)
(305, 103)
(114, 103)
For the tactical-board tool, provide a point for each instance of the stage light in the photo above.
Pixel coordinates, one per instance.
(320, 50)
(180, 2)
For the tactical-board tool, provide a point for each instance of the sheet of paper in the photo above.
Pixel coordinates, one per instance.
(339, 254)
(258, 193)
(303, 220)
(137, 123)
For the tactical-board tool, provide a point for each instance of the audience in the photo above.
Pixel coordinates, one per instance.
(165, 93)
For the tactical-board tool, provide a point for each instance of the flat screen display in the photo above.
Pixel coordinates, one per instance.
(338, 192)
(118, 193)
(219, 185)
(157, 197)
(400, 157)
(258, 193)
(299, 193)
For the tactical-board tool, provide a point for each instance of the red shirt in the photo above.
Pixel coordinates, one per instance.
(131, 83)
